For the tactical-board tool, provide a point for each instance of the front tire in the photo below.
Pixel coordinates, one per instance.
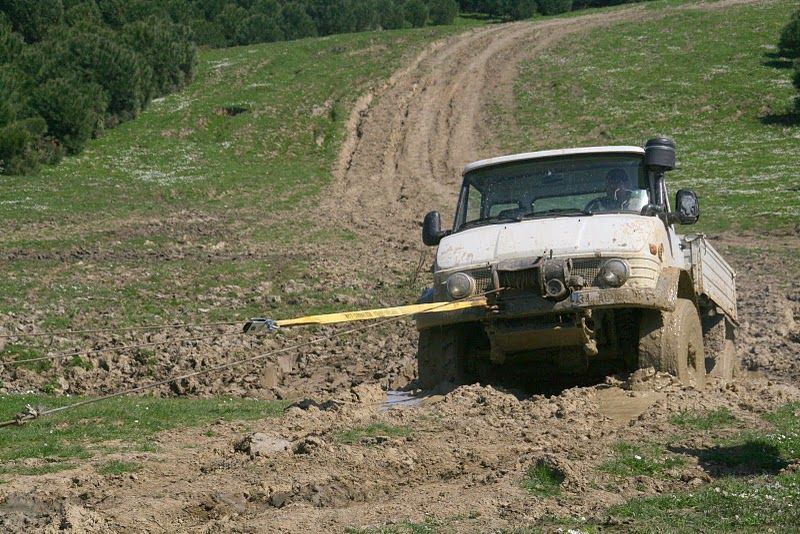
(441, 357)
(672, 342)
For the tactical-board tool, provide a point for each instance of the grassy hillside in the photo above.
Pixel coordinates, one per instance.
(709, 79)
(175, 214)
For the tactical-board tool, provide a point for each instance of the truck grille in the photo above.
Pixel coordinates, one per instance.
(525, 279)
(588, 268)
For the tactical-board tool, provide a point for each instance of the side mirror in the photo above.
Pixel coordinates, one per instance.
(687, 209)
(432, 229)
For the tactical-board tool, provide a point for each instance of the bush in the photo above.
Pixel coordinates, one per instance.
(553, 7)
(789, 42)
(416, 13)
(443, 11)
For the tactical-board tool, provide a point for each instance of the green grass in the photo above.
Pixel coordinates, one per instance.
(542, 480)
(355, 435)
(703, 420)
(749, 495)
(704, 77)
(118, 467)
(630, 460)
(124, 423)
(405, 527)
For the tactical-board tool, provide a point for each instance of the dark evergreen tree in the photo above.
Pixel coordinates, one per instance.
(443, 11)
(259, 28)
(390, 14)
(416, 13)
(73, 109)
(365, 15)
(82, 13)
(553, 7)
(789, 42)
(296, 22)
(521, 9)
(33, 18)
(167, 51)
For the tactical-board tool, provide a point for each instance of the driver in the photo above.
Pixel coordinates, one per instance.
(617, 193)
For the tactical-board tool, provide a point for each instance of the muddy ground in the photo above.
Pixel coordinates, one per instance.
(468, 449)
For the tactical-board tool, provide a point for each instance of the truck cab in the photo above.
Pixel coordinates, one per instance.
(577, 254)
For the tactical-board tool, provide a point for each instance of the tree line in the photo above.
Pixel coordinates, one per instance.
(523, 9)
(70, 69)
(789, 47)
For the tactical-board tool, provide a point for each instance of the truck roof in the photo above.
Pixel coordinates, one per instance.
(552, 153)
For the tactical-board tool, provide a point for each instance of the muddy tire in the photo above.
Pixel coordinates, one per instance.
(719, 338)
(672, 342)
(440, 357)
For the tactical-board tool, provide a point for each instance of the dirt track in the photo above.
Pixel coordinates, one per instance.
(405, 147)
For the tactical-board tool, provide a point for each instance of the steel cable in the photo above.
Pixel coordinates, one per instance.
(114, 349)
(35, 414)
(164, 326)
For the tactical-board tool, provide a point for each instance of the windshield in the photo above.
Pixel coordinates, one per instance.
(562, 186)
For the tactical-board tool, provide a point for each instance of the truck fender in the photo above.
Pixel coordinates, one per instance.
(674, 283)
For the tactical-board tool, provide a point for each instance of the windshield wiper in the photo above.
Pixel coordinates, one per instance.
(489, 220)
(558, 211)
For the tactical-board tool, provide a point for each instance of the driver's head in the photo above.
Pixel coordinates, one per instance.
(616, 180)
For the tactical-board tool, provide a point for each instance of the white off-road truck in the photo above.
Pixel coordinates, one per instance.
(583, 271)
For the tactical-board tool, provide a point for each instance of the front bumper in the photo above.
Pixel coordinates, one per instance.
(517, 304)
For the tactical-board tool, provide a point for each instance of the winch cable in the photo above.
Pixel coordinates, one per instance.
(116, 349)
(32, 413)
(164, 326)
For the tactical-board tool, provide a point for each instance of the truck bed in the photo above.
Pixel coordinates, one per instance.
(714, 279)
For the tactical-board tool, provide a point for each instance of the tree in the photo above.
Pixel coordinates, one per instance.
(521, 9)
(94, 56)
(443, 11)
(85, 12)
(33, 18)
(390, 14)
(553, 7)
(296, 23)
(789, 42)
(416, 13)
(230, 20)
(166, 49)
(259, 28)
(365, 15)
(72, 108)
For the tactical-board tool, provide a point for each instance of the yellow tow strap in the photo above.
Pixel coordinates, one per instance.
(363, 315)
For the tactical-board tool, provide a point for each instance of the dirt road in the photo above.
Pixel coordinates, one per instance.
(463, 454)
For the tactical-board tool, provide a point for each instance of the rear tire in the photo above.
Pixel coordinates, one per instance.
(441, 357)
(672, 342)
(719, 336)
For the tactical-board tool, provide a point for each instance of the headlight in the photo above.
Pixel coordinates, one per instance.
(460, 285)
(614, 273)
